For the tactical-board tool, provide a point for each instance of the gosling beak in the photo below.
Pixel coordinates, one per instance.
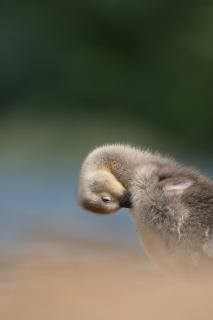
(125, 201)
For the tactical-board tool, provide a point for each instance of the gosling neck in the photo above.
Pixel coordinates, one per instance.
(120, 160)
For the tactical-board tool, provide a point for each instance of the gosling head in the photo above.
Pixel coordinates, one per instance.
(101, 192)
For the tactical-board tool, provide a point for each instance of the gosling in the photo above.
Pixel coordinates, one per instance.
(171, 205)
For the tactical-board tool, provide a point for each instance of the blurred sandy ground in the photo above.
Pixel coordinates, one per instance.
(98, 281)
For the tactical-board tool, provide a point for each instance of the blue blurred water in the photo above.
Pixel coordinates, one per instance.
(39, 201)
(42, 201)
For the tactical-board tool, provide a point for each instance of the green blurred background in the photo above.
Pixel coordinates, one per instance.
(76, 74)
(142, 68)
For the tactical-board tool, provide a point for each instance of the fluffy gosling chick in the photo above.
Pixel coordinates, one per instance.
(172, 205)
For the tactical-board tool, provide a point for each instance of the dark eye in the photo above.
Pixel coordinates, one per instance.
(106, 199)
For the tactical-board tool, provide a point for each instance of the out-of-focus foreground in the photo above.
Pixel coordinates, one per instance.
(91, 285)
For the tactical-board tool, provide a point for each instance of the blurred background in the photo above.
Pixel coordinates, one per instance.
(77, 74)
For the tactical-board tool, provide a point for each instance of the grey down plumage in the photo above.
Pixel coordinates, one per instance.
(172, 205)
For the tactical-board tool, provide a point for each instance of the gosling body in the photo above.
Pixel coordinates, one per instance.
(171, 204)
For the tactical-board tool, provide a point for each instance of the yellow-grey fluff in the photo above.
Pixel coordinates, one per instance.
(171, 204)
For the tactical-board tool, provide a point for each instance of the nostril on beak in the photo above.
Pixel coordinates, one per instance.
(126, 201)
